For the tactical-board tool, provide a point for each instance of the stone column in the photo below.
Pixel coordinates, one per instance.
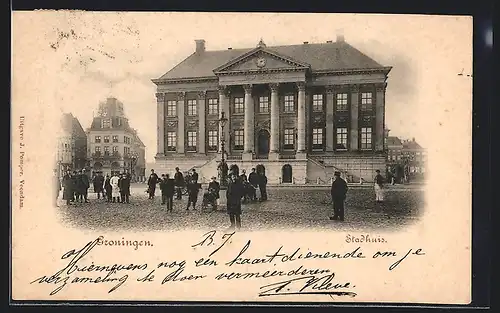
(181, 105)
(249, 123)
(160, 128)
(354, 126)
(201, 122)
(379, 117)
(275, 122)
(330, 109)
(301, 121)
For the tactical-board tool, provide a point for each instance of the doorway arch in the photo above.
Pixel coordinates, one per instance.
(260, 169)
(286, 173)
(263, 143)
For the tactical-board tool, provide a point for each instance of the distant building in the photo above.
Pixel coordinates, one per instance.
(394, 150)
(414, 156)
(71, 145)
(114, 146)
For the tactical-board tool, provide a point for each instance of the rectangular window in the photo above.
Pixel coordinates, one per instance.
(191, 140)
(366, 138)
(97, 150)
(239, 105)
(318, 103)
(289, 138)
(106, 123)
(97, 139)
(115, 138)
(192, 105)
(106, 139)
(213, 106)
(317, 138)
(171, 141)
(106, 150)
(341, 102)
(366, 101)
(289, 103)
(115, 148)
(213, 140)
(171, 108)
(238, 139)
(341, 138)
(263, 104)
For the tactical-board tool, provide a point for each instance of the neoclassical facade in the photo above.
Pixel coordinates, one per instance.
(302, 111)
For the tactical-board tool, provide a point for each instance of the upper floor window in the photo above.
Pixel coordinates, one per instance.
(213, 106)
(97, 139)
(191, 108)
(289, 138)
(289, 103)
(171, 108)
(106, 123)
(97, 149)
(342, 138)
(106, 150)
(239, 105)
(106, 139)
(263, 104)
(115, 148)
(191, 140)
(213, 140)
(238, 139)
(341, 102)
(366, 138)
(317, 103)
(171, 141)
(366, 101)
(115, 138)
(317, 138)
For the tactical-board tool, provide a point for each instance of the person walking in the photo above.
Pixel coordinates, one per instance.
(98, 183)
(379, 192)
(68, 187)
(108, 188)
(124, 185)
(115, 188)
(338, 193)
(152, 181)
(234, 194)
(179, 183)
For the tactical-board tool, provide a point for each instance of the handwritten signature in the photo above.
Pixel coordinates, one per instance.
(311, 285)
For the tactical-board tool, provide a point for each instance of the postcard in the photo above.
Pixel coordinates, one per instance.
(241, 157)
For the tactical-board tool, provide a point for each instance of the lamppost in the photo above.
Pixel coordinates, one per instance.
(223, 168)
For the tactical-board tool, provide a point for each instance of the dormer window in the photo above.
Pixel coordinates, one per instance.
(106, 123)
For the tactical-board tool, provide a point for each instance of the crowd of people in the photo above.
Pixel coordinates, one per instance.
(112, 188)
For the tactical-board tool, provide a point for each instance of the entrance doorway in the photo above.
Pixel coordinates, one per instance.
(263, 143)
(286, 173)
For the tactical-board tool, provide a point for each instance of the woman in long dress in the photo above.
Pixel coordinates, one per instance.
(115, 188)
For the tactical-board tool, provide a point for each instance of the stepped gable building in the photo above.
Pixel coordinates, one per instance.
(114, 146)
(302, 111)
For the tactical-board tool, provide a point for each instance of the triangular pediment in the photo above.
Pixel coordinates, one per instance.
(261, 59)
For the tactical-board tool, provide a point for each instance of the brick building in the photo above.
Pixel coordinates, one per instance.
(302, 111)
(114, 146)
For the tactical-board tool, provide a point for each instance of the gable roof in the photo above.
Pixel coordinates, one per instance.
(71, 126)
(321, 56)
(394, 141)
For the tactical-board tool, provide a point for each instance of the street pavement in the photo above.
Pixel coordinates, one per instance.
(287, 208)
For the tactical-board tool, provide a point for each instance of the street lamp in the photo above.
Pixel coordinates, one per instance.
(223, 169)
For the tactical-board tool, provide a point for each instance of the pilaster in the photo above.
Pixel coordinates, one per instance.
(379, 117)
(354, 125)
(249, 122)
(301, 117)
(181, 106)
(160, 128)
(330, 109)
(201, 121)
(275, 122)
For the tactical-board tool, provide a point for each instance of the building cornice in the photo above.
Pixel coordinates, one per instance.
(358, 71)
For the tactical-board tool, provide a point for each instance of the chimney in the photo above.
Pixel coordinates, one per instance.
(200, 45)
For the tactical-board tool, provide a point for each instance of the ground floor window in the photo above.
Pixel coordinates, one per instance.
(171, 141)
(366, 138)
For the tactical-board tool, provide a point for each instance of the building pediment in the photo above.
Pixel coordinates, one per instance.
(261, 60)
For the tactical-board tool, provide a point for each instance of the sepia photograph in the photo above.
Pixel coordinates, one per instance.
(272, 132)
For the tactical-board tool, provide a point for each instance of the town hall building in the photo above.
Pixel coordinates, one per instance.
(302, 111)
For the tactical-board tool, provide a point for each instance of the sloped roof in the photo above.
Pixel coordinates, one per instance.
(138, 139)
(412, 144)
(71, 125)
(394, 141)
(321, 57)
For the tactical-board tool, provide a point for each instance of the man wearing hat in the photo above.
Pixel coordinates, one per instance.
(338, 191)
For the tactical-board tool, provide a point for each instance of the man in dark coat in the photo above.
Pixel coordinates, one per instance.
(84, 185)
(263, 186)
(179, 183)
(124, 184)
(194, 175)
(68, 187)
(98, 183)
(152, 181)
(108, 188)
(76, 191)
(338, 192)
(193, 189)
(253, 179)
(235, 191)
(167, 187)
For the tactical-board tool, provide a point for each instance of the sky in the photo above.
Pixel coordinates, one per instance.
(89, 56)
